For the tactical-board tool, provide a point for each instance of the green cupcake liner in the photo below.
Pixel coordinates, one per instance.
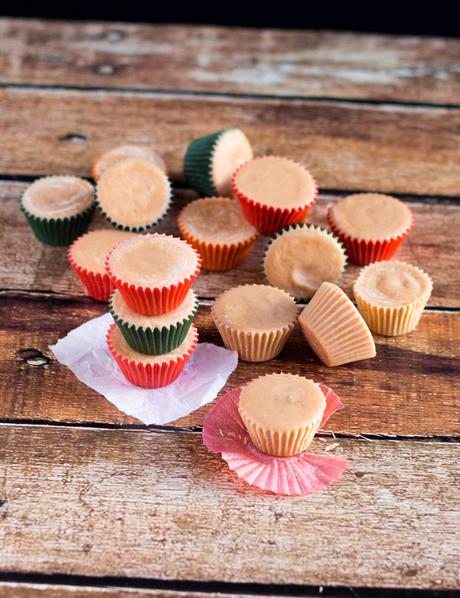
(198, 163)
(154, 341)
(59, 232)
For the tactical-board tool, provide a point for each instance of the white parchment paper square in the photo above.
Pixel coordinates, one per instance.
(84, 351)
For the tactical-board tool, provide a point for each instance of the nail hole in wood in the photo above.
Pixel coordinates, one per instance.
(115, 35)
(75, 137)
(33, 357)
(105, 69)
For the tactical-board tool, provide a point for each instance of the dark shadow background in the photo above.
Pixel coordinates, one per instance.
(421, 18)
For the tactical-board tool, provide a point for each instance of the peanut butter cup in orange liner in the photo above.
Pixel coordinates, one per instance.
(391, 296)
(334, 328)
(133, 194)
(218, 230)
(263, 429)
(371, 226)
(255, 320)
(123, 152)
(87, 257)
(274, 192)
(153, 272)
(150, 371)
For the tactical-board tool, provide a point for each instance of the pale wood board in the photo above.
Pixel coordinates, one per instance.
(146, 504)
(346, 146)
(235, 61)
(407, 390)
(431, 245)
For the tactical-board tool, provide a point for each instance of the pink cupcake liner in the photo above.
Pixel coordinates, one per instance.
(224, 432)
(362, 251)
(96, 285)
(269, 219)
(153, 301)
(148, 375)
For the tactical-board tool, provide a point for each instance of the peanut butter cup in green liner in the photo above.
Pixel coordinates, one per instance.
(154, 335)
(58, 208)
(209, 162)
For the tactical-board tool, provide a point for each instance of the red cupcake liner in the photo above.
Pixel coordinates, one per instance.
(269, 219)
(218, 256)
(224, 432)
(148, 375)
(362, 251)
(96, 285)
(153, 301)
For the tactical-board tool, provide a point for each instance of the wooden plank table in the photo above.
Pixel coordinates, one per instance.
(92, 502)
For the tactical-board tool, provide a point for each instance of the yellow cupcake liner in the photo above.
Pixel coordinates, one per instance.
(392, 320)
(253, 346)
(334, 328)
(281, 444)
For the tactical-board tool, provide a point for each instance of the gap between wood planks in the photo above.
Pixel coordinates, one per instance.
(194, 589)
(166, 429)
(159, 92)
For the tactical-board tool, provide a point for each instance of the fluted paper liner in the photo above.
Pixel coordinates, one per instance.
(59, 232)
(198, 163)
(218, 256)
(155, 340)
(153, 301)
(224, 432)
(149, 375)
(270, 219)
(334, 329)
(257, 345)
(96, 285)
(392, 320)
(365, 251)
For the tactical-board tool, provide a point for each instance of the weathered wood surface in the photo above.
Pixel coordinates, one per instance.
(346, 146)
(148, 504)
(35, 590)
(408, 389)
(235, 61)
(432, 245)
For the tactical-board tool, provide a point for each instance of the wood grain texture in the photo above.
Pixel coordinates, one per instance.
(408, 389)
(237, 61)
(431, 245)
(346, 146)
(79, 501)
(30, 590)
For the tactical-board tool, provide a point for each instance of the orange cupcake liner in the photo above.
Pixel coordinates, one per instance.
(268, 219)
(96, 285)
(148, 375)
(153, 301)
(218, 256)
(362, 251)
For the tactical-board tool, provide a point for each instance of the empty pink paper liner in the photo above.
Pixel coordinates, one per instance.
(224, 432)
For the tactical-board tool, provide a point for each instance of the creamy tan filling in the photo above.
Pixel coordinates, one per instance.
(255, 307)
(371, 216)
(231, 151)
(216, 220)
(129, 316)
(276, 182)
(133, 192)
(124, 349)
(299, 260)
(153, 260)
(282, 402)
(123, 152)
(392, 283)
(58, 197)
(90, 250)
